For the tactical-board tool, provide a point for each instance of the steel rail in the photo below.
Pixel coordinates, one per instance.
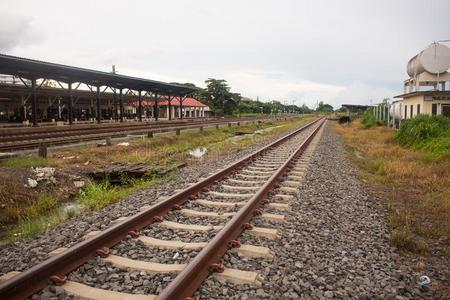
(34, 279)
(190, 279)
(36, 131)
(53, 132)
(113, 132)
(93, 136)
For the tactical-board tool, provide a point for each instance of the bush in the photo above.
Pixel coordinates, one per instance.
(431, 134)
(422, 128)
(368, 119)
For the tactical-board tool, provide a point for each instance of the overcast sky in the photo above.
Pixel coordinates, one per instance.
(302, 51)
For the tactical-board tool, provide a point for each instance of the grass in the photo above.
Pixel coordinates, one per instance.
(28, 227)
(98, 195)
(45, 203)
(24, 162)
(368, 119)
(46, 212)
(430, 134)
(38, 217)
(423, 128)
(414, 180)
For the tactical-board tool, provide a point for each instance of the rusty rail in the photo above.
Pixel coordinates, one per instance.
(23, 142)
(34, 279)
(190, 279)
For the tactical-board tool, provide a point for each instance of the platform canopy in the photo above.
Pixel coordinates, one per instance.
(35, 69)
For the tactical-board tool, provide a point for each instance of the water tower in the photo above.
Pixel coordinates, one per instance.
(427, 90)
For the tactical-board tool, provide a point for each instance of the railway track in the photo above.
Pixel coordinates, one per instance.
(217, 209)
(13, 141)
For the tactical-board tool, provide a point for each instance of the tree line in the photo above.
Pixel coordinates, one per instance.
(223, 102)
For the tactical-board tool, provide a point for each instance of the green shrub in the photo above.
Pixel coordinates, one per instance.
(430, 134)
(97, 195)
(422, 128)
(368, 119)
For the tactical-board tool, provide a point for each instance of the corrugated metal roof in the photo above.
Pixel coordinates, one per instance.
(29, 68)
(417, 93)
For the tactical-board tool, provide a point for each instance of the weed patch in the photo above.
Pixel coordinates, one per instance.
(430, 134)
(402, 239)
(98, 195)
(24, 162)
(413, 178)
(368, 119)
(46, 212)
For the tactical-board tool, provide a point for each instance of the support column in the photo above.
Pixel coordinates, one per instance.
(140, 106)
(388, 116)
(99, 112)
(170, 108)
(70, 110)
(115, 116)
(121, 104)
(181, 107)
(155, 110)
(23, 108)
(34, 103)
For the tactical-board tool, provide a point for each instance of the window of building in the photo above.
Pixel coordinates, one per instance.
(411, 111)
(434, 109)
(406, 111)
(446, 110)
(418, 109)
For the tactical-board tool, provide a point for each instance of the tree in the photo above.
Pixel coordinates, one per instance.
(324, 108)
(188, 84)
(219, 97)
(305, 109)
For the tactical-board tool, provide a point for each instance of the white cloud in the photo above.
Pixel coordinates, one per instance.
(361, 93)
(278, 86)
(16, 31)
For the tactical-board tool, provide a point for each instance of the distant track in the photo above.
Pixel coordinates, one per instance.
(30, 138)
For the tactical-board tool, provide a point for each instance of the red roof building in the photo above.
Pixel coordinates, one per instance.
(187, 102)
(191, 108)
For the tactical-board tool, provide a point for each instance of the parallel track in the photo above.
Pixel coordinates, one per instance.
(21, 140)
(255, 176)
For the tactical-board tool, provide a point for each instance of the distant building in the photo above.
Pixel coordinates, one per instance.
(192, 108)
(354, 109)
(427, 91)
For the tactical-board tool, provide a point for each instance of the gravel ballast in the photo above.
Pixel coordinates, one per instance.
(334, 243)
